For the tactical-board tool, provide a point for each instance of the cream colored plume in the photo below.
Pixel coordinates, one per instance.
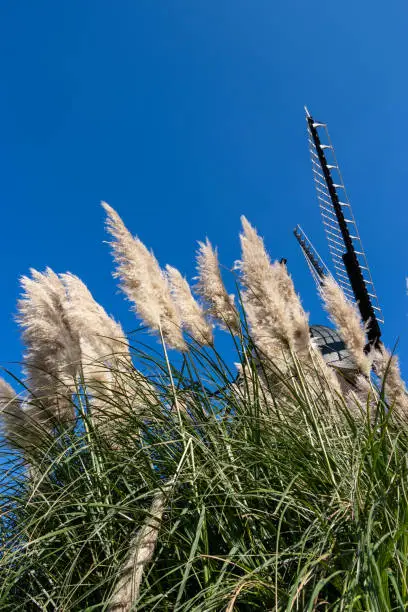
(191, 313)
(52, 347)
(387, 367)
(12, 416)
(322, 372)
(143, 281)
(300, 323)
(141, 550)
(102, 338)
(106, 360)
(23, 425)
(211, 288)
(346, 317)
(273, 310)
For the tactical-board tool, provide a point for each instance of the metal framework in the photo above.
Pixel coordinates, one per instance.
(317, 267)
(345, 246)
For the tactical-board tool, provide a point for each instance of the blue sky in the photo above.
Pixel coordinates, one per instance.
(185, 114)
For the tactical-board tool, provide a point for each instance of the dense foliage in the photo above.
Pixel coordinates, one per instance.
(135, 478)
(281, 496)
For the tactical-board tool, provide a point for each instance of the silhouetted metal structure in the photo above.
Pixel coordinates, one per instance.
(317, 267)
(345, 246)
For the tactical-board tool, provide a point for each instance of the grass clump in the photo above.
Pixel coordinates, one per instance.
(279, 498)
(176, 484)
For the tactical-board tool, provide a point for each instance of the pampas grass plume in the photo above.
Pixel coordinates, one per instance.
(191, 313)
(52, 347)
(212, 289)
(106, 361)
(143, 281)
(141, 552)
(11, 414)
(100, 335)
(387, 367)
(23, 425)
(273, 309)
(346, 317)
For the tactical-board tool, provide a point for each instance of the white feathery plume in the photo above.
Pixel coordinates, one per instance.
(273, 310)
(52, 347)
(13, 421)
(300, 323)
(22, 426)
(106, 360)
(191, 313)
(346, 317)
(101, 337)
(103, 344)
(387, 367)
(212, 289)
(143, 281)
(265, 310)
(9, 401)
(322, 369)
(141, 550)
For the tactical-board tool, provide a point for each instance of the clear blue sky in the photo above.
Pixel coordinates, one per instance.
(185, 114)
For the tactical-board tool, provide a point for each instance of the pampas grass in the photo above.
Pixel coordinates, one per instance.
(277, 490)
(141, 551)
(100, 335)
(273, 309)
(387, 367)
(270, 488)
(52, 350)
(212, 289)
(105, 353)
(347, 320)
(190, 312)
(143, 281)
(15, 422)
